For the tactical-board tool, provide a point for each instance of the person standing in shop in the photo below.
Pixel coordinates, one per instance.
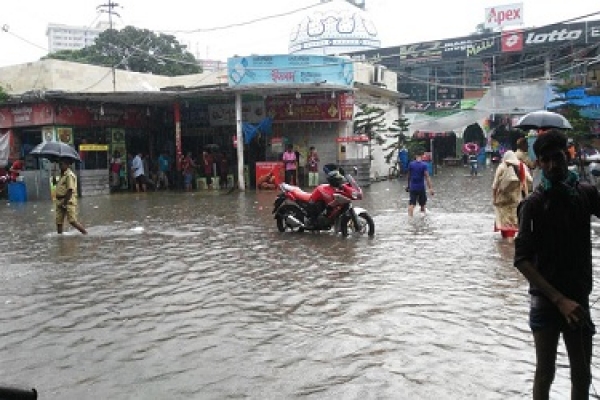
(137, 166)
(312, 165)
(290, 162)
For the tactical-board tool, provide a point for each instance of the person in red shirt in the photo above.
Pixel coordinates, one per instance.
(187, 167)
(15, 170)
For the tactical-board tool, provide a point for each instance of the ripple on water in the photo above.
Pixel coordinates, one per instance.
(198, 296)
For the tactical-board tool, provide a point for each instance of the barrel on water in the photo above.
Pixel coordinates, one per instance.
(429, 167)
(17, 192)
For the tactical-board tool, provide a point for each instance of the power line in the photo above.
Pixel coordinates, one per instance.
(237, 25)
(109, 9)
(6, 28)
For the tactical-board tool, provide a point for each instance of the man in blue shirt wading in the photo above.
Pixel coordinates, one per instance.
(417, 176)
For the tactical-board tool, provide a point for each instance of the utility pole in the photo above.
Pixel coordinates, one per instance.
(109, 9)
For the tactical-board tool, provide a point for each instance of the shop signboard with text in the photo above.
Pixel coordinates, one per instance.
(587, 32)
(500, 16)
(47, 114)
(429, 106)
(470, 46)
(352, 139)
(269, 175)
(224, 114)
(421, 52)
(282, 70)
(313, 107)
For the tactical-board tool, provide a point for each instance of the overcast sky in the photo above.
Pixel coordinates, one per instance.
(398, 21)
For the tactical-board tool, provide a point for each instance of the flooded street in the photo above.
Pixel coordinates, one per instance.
(198, 296)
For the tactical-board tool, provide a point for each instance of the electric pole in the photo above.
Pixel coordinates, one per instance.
(109, 9)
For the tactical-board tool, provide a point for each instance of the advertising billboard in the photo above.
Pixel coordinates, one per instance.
(500, 16)
(279, 70)
(561, 34)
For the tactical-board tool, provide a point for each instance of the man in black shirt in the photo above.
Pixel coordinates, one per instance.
(553, 251)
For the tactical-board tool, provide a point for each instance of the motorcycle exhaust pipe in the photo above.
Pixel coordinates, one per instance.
(293, 222)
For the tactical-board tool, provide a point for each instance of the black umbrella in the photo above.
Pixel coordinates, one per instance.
(55, 151)
(543, 120)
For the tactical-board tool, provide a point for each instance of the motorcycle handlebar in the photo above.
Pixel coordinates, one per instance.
(11, 393)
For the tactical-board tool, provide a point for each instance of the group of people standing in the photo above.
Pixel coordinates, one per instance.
(208, 166)
(293, 173)
(160, 174)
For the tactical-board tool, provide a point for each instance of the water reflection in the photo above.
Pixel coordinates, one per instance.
(196, 295)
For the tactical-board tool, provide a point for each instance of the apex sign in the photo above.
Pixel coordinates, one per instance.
(501, 16)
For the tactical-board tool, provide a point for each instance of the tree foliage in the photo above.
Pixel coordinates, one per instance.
(3, 95)
(398, 131)
(370, 120)
(138, 50)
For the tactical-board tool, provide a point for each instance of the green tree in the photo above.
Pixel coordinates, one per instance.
(138, 50)
(398, 131)
(3, 95)
(370, 120)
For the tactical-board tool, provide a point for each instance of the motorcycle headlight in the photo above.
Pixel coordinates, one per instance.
(354, 195)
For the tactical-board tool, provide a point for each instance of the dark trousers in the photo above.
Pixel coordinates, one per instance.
(290, 176)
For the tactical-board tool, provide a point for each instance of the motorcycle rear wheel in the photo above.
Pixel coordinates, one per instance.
(288, 211)
(367, 225)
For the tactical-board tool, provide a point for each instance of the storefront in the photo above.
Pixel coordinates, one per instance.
(96, 132)
(308, 101)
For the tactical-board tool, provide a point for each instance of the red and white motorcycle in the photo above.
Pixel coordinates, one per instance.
(294, 209)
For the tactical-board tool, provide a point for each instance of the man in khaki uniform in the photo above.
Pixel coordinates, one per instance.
(66, 198)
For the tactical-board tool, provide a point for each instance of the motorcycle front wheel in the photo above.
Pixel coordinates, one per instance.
(365, 221)
(285, 212)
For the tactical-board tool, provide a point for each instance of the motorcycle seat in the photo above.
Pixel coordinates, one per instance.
(302, 195)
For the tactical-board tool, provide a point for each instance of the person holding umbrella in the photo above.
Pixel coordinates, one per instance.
(553, 250)
(542, 121)
(66, 197)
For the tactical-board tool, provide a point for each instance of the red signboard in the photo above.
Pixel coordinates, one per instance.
(347, 139)
(269, 175)
(313, 107)
(44, 114)
(73, 115)
(431, 135)
(346, 106)
(512, 41)
(26, 115)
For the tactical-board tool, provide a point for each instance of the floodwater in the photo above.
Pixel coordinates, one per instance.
(198, 296)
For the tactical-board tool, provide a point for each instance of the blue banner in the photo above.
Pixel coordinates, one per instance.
(279, 70)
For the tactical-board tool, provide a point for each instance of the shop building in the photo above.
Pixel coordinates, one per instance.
(449, 76)
(310, 100)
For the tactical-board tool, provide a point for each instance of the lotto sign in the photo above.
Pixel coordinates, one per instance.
(501, 16)
(512, 41)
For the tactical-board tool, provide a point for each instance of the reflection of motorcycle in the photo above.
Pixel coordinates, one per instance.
(5, 179)
(292, 209)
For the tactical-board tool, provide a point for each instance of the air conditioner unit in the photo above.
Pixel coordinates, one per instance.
(378, 71)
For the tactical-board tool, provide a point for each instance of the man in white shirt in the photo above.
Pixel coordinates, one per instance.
(137, 165)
